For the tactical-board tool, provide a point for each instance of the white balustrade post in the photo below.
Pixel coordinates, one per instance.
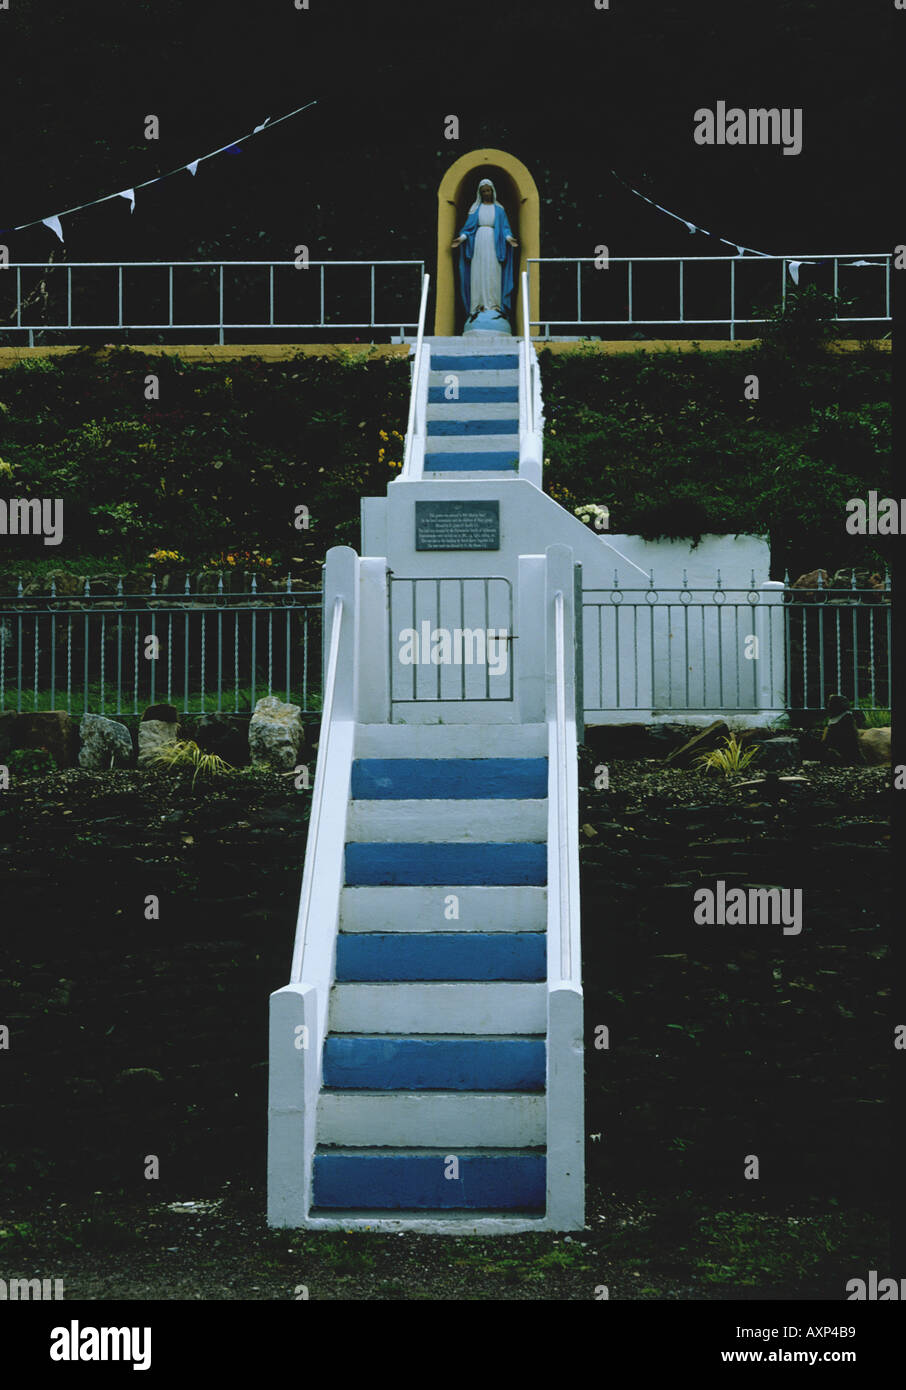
(293, 1085)
(341, 580)
(374, 642)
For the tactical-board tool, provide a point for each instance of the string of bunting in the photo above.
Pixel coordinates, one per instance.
(792, 266)
(233, 147)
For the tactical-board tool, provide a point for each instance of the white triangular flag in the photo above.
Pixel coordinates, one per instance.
(130, 194)
(54, 224)
(794, 269)
(876, 263)
(265, 122)
(193, 166)
(691, 225)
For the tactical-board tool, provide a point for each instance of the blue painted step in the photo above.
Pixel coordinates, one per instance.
(449, 779)
(477, 462)
(464, 955)
(470, 395)
(358, 1062)
(441, 864)
(375, 1180)
(475, 362)
(467, 427)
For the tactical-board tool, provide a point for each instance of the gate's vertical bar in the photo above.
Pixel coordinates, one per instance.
(287, 637)
(86, 634)
(153, 672)
(185, 657)
(220, 338)
(119, 648)
(235, 660)
(219, 643)
(253, 614)
(53, 648)
(103, 663)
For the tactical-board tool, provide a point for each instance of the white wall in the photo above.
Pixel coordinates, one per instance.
(699, 670)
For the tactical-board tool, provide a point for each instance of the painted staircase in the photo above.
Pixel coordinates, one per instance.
(472, 426)
(426, 1067)
(434, 1063)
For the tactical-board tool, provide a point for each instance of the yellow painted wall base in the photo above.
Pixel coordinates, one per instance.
(285, 352)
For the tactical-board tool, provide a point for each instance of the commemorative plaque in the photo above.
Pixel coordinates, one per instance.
(457, 525)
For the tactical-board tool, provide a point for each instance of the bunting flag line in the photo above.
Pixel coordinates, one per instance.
(691, 226)
(232, 147)
(792, 266)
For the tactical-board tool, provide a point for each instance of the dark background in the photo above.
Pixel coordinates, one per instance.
(572, 90)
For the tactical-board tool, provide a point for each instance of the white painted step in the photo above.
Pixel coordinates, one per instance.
(488, 909)
(468, 475)
(499, 1008)
(473, 410)
(472, 443)
(468, 343)
(431, 1119)
(449, 1223)
(484, 376)
(451, 741)
(433, 821)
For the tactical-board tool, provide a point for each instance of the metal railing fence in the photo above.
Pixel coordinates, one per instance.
(106, 651)
(645, 299)
(670, 649)
(75, 297)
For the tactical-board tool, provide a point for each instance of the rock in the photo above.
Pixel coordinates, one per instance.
(810, 580)
(105, 744)
(52, 730)
(703, 742)
(841, 737)
(7, 735)
(153, 735)
(776, 755)
(165, 714)
(218, 733)
(874, 745)
(864, 579)
(608, 741)
(275, 734)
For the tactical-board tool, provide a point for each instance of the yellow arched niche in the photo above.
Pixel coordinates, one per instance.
(517, 191)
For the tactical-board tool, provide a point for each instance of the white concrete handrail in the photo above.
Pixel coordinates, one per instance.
(562, 814)
(415, 429)
(530, 416)
(314, 824)
(564, 1088)
(526, 372)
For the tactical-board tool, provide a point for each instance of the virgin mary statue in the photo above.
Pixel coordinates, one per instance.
(486, 260)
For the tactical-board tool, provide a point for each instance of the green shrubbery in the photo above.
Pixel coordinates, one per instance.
(670, 443)
(221, 461)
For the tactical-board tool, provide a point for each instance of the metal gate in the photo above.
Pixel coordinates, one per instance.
(451, 638)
